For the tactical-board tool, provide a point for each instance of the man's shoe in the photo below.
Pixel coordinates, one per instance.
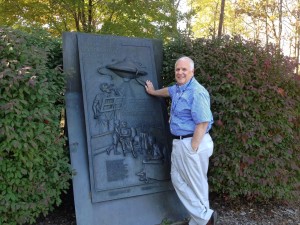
(213, 219)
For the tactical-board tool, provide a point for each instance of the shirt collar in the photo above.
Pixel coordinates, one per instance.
(185, 86)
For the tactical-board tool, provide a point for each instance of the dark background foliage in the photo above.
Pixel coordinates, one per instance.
(33, 161)
(256, 105)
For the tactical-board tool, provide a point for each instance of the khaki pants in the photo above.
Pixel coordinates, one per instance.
(189, 177)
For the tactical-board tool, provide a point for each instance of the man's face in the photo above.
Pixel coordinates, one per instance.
(183, 71)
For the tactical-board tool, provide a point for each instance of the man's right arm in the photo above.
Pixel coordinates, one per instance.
(164, 92)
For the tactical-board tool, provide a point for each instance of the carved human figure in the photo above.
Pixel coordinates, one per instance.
(156, 152)
(116, 139)
(105, 106)
(144, 142)
(126, 139)
(153, 151)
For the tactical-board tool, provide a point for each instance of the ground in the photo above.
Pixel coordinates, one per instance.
(230, 213)
(62, 215)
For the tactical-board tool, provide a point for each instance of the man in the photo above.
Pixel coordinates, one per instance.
(191, 119)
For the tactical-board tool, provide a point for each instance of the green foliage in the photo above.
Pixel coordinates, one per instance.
(156, 19)
(33, 163)
(119, 17)
(171, 52)
(256, 105)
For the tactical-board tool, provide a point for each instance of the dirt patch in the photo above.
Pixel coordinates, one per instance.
(247, 213)
(62, 215)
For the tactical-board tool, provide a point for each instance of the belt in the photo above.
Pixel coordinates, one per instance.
(182, 136)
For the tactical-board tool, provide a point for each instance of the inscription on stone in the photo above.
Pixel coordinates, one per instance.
(116, 170)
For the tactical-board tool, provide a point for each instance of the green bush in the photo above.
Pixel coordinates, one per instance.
(33, 162)
(256, 105)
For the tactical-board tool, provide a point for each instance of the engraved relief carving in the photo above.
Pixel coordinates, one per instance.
(154, 154)
(126, 137)
(126, 140)
(137, 143)
(127, 69)
(105, 107)
(116, 139)
(154, 151)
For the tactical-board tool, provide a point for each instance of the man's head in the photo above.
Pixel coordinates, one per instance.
(184, 70)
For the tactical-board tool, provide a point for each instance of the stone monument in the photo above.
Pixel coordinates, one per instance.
(118, 135)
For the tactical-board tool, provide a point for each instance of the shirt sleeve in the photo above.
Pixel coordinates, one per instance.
(172, 90)
(201, 108)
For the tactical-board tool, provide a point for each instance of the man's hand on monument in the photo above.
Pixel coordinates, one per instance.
(149, 87)
(151, 90)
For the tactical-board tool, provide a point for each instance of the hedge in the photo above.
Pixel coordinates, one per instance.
(33, 161)
(256, 104)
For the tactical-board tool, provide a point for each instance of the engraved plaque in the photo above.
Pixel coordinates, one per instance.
(128, 147)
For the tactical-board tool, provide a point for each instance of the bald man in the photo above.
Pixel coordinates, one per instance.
(190, 122)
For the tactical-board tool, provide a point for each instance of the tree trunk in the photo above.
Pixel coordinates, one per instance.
(77, 22)
(280, 25)
(215, 21)
(221, 18)
(267, 29)
(90, 15)
(81, 12)
(297, 42)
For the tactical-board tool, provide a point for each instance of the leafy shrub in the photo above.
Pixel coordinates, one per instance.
(256, 106)
(171, 52)
(33, 163)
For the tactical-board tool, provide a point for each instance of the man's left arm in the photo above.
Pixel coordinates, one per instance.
(199, 132)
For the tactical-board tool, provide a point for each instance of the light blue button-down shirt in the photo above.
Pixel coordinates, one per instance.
(190, 106)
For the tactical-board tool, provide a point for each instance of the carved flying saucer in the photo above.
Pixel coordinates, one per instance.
(127, 69)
